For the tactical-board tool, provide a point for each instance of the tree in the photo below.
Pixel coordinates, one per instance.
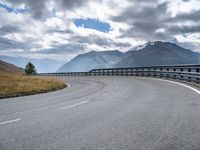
(30, 69)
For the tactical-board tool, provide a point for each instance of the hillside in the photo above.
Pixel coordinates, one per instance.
(91, 60)
(42, 65)
(6, 67)
(12, 85)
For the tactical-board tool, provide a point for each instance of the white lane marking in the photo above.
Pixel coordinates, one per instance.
(10, 121)
(68, 85)
(187, 86)
(74, 105)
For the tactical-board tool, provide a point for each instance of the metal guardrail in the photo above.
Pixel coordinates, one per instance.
(189, 73)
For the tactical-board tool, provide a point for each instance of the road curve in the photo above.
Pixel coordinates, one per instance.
(103, 113)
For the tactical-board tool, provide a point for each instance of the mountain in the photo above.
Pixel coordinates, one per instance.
(92, 60)
(159, 53)
(42, 65)
(6, 67)
(152, 53)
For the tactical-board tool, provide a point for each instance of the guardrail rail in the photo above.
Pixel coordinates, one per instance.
(190, 73)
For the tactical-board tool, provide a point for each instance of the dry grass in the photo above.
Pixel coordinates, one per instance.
(12, 85)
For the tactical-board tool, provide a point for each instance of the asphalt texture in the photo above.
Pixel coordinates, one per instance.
(103, 113)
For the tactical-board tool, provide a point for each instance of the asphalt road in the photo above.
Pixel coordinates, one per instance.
(104, 113)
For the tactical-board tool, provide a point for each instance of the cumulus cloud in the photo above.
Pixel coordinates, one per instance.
(153, 20)
(47, 28)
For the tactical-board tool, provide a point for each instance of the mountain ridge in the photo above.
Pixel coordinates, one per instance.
(91, 60)
(10, 68)
(150, 54)
(160, 53)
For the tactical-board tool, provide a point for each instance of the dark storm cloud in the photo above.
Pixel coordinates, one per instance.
(70, 4)
(192, 16)
(144, 20)
(148, 18)
(142, 12)
(143, 1)
(9, 29)
(184, 29)
(120, 44)
(186, 0)
(147, 35)
(11, 44)
(6, 44)
(39, 7)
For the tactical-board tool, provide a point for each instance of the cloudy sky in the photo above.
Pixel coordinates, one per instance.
(61, 29)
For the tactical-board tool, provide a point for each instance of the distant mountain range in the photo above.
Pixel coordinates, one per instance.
(91, 60)
(42, 65)
(152, 53)
(7, 67)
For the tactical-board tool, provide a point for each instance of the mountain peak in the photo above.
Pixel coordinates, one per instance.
(92, 60)
(159, 53)
(151, 53)
(154, 44)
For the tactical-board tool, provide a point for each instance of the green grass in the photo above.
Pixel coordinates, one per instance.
(12, 85)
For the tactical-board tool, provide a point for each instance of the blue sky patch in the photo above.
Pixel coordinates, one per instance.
(93, 24)
(11, 9)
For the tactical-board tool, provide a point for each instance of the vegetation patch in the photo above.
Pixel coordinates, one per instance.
(12, 85)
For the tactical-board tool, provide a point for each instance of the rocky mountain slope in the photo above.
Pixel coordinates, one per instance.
(152, 53)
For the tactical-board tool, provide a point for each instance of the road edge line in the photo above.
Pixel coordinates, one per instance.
(9, 121)
(68, 85)
(178, 83)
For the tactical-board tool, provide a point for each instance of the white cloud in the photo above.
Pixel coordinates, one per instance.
(42, 31)
(178, 6)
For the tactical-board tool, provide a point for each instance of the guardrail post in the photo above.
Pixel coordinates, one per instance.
(142, 72)
(131, 71)
(136, 72)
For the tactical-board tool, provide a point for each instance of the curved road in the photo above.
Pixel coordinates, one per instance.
(104, 113)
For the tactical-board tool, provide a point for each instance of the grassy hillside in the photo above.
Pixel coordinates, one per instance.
(6, 67)
(12, 85)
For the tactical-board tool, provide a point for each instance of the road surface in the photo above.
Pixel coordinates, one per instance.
(104, 113)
